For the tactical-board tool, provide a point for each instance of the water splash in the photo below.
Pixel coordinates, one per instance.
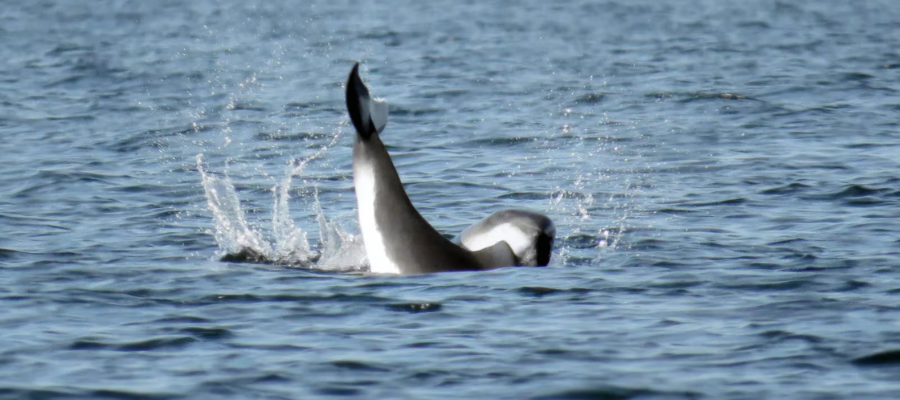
(232, 231)
(339, 250)
(289, 245)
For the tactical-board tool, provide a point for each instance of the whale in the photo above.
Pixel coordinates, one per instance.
(398, 240)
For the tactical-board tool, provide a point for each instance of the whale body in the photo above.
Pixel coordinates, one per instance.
(398, 240)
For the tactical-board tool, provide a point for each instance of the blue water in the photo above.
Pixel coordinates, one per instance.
(724, 178)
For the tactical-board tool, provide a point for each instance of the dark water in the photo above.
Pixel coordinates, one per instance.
(724, 176)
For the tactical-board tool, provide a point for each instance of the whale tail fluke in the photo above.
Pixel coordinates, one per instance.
(368, 115)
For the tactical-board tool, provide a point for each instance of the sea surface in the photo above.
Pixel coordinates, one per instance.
(724, 177)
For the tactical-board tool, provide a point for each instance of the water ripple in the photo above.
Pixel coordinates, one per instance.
(722, 178)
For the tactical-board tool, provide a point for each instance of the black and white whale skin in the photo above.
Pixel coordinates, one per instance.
(528, 234)
(399, 240)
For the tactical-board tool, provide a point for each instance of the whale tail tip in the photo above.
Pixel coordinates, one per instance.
(368, 115)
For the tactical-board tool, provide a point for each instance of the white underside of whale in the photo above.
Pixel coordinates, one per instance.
(380, 263)
(517, 240)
